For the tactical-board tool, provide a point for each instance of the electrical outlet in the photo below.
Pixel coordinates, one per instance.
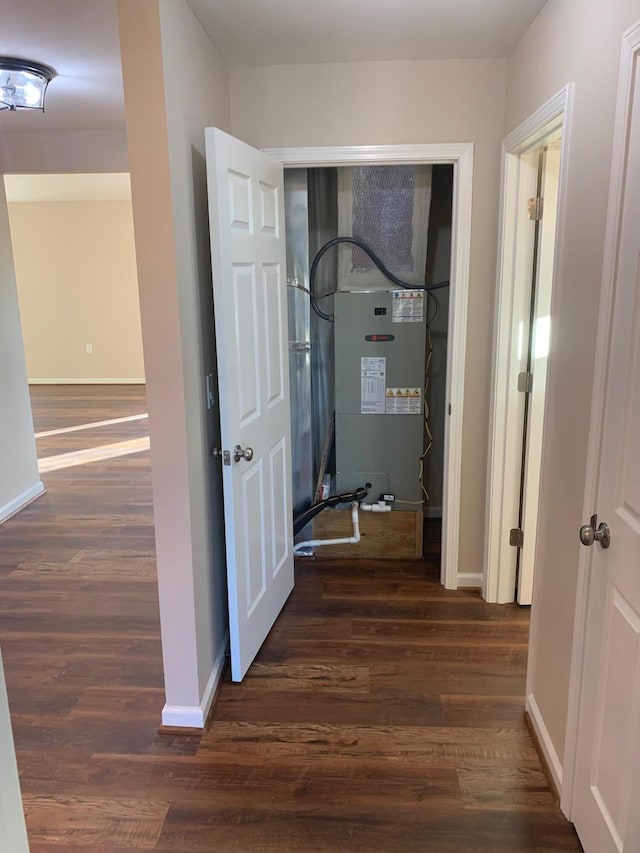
(89, 348)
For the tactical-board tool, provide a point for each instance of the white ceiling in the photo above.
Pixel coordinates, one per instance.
(79, 38)
(285, 32)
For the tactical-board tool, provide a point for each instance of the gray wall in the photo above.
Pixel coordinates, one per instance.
(13, 834)
(19, 478)
(176, 85)
(575, 41)
(197, 96)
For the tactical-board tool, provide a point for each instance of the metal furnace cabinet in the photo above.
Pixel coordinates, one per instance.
(380, 341)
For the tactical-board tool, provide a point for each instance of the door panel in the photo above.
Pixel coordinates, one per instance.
(248, 258)
(280, 522)
(253, 508)
(246, 310)
(607, 794)
(269, 220)
(273, 288)
(614, 728)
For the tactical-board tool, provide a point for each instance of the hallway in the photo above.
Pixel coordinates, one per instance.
(382, 714)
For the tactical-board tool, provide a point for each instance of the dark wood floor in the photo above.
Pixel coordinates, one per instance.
(382, 714)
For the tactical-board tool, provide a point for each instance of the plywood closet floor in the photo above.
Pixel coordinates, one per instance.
(382, 714)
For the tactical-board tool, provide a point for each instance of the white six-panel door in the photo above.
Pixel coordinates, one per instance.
(606, 808)
(246, 208)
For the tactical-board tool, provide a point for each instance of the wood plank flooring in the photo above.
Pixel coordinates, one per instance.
(382, 714)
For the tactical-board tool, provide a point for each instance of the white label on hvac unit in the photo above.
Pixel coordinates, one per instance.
(408, 306)
(373, 373)
(403, 401)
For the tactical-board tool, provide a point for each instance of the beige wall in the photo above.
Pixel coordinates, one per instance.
(77, 285)
(19, 479)
(176, 85)
(575, 41)
(373, 103)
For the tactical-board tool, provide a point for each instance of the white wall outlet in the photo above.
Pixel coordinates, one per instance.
(210, 398)
(89, 348)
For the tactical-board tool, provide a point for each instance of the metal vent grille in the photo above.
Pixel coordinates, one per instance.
(383, 201)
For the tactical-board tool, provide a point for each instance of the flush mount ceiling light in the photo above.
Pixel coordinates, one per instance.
(23, 84)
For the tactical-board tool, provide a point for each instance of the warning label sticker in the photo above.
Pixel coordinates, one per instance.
(373, 372)
(403, 401)
(408, 306)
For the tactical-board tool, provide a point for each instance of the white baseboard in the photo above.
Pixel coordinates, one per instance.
(195, 716)
(22, 501)
(547, 747)
(117, 381)
(470, 579)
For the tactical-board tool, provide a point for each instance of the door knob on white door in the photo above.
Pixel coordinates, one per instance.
(239, 453)
(594, 532)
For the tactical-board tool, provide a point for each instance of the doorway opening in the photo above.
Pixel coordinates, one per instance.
(368, 270)
(80, 315)
(246, 191)
(532, 178)
(458, 157)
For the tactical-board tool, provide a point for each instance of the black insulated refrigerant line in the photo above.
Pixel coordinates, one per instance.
(376, 260)
(333, 500)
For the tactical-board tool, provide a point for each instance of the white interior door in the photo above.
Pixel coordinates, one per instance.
(246, 204)
(606, 808)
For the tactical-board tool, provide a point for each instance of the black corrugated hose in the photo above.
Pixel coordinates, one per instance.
(333, 500)
(376, 260)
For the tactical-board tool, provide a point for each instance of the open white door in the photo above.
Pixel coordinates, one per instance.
(246, 207)
(606, 807)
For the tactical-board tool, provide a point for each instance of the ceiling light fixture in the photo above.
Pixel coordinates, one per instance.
(23, 84)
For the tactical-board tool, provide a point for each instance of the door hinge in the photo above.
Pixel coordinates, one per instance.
(525, 382)
(516, 537)
(535, 206)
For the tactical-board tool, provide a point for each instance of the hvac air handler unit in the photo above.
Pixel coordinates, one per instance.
(380, 340)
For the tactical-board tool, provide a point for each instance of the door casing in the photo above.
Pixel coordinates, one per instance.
(512, 301)
(461, 156)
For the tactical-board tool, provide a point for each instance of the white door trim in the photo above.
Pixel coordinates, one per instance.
(630, 54)
(505, 431)
(461, 156)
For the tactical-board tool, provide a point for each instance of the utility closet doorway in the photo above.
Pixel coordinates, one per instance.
(368, 351)
(247, 195)
(531, 184)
